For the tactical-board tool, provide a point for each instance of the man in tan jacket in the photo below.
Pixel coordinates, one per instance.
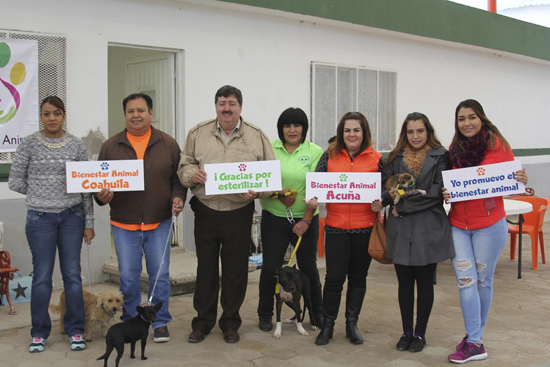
(221, 221)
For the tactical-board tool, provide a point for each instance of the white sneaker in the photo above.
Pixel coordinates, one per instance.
(77, 342)
(37, 345)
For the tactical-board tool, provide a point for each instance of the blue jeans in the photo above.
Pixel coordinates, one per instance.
(47, 232)
(476, 255)
(130, 247)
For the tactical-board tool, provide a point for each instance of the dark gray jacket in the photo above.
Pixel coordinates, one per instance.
(423, 234)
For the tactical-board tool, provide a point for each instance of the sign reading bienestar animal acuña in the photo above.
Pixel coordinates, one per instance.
(343, 187)
(239, 177)
(123, 175)
(485, 181)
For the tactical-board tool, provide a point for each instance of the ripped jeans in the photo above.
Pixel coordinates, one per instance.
(476, 255)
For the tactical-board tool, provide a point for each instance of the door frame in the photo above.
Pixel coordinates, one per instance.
(172, 60)
(179, 109)
(179, 80)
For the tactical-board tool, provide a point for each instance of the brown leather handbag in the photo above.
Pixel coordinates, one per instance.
(377, 243)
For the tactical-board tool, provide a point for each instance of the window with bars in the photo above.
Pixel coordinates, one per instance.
(52, 69)
(336, 90)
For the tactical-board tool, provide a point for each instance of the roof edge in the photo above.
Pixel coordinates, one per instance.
(436, 19)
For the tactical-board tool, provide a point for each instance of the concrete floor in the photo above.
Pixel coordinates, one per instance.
(517, 332)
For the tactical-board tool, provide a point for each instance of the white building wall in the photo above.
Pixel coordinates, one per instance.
(267, 55)
(537, 14)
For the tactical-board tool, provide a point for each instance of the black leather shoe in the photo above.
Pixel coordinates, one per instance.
(196, 336)
(231, 336)
(404, 342)
(352, 332)
(266, 324)
(418, 343)
(326, 333)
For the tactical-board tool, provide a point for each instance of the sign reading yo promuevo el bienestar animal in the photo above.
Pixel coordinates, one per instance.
(239, 177)
(485, 181)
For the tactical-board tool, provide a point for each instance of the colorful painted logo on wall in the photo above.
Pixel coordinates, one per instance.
(15, 77)
(18, 91)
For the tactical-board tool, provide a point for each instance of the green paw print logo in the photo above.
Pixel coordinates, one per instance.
(343, 178)
(10, 100)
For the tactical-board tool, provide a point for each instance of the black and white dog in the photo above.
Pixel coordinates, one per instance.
(292, 284)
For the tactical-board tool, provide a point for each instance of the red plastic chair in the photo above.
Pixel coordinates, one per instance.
(6, 274)
(532, 226)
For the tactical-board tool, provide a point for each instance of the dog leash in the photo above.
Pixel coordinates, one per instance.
(278, 286)
(163, 256)
(294, 252)
(277, 194)
(88, 260)
(290, 218)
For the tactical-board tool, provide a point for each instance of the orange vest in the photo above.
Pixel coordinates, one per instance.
(351, 215)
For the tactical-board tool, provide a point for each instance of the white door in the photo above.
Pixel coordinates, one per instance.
(155, 76)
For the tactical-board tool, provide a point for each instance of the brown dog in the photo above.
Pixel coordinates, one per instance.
(100, 309)
(403, 183)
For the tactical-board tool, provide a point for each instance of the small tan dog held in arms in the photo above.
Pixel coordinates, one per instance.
(403, 184)
(100, 309)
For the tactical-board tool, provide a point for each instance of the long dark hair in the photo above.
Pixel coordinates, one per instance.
(339, 144)
(458, 140)
(402, 142)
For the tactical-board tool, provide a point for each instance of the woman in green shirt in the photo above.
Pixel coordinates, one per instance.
(297, 156)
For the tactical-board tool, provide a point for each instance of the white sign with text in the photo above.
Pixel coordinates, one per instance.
(122, 175)
(343, 187)
(481, 182)
(239, 177)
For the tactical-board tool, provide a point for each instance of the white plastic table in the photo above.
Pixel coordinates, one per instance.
(516, 207)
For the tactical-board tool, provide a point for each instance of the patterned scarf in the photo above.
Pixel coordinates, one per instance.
(474, 151)
(414, 158)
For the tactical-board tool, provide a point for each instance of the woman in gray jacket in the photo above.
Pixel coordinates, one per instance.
(418, 231)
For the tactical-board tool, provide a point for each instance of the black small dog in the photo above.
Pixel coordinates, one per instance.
(293, 284)
(130, 331)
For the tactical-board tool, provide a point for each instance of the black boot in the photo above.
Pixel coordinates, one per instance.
(354, 302)
(317, 304)
(331, 303)
(326, 332)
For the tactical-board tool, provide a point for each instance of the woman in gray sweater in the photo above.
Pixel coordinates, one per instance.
(56, 220)
(418, 231)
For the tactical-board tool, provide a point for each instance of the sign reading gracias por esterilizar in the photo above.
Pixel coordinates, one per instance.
(93, 176)
(485, 181)
(239, 177)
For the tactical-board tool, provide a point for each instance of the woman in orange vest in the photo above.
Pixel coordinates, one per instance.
(348, 227)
